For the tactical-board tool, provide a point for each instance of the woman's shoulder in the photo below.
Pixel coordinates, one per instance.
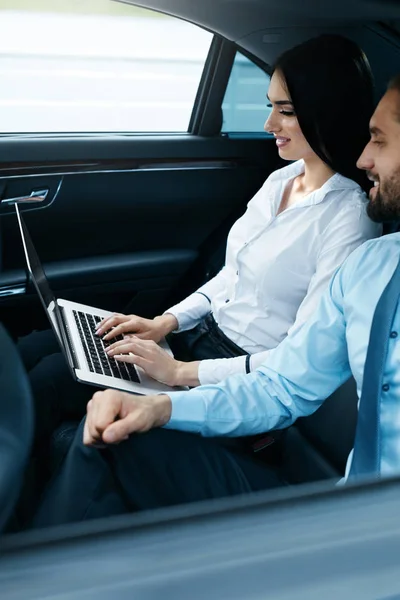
(349, 211)
(346, 188)
(345, 195)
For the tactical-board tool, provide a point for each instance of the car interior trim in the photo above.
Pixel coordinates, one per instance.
(12, 290)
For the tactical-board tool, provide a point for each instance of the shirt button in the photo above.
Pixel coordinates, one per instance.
(386, 387)
(237, 272)
(227, 300)
(393, 334)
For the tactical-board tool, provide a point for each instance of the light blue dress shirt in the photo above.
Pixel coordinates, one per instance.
(311, 363)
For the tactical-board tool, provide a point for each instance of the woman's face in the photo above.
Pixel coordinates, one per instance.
(283, 124)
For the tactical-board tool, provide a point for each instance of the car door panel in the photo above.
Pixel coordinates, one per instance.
(123, 231)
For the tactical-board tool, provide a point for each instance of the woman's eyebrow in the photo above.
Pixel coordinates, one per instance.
(280, 102)
(375, 131)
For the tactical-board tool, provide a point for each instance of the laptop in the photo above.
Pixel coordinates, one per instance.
(74, 325)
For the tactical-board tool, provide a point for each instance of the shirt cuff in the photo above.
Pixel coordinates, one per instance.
(218, 369)
(190, 311)
(258, 359)
(188, 411)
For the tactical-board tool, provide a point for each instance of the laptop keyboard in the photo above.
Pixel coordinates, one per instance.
(94, 347)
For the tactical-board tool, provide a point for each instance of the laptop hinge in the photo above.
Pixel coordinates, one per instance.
(71, 353)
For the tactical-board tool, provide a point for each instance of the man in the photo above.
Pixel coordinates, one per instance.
(112, 471)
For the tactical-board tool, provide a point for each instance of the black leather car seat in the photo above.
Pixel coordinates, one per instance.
(16, 425)
(317, 447)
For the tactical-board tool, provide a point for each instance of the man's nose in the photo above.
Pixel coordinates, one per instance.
(366, 161)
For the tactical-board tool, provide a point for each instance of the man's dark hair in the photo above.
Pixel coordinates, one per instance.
(330, 83)
(394, 84)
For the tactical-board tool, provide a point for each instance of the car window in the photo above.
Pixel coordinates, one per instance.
(244, 107)
(96, 65)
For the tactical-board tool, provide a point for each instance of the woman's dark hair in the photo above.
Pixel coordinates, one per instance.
(330, 83)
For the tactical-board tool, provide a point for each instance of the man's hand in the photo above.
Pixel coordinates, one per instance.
(113, 415)
(146, 329)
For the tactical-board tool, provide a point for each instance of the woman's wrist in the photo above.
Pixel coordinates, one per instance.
(186, 373)
(167, 322)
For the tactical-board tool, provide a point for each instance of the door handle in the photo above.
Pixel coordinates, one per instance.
(35, 196)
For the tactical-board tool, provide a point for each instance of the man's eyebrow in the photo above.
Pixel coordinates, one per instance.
(280, 102)
(375, 131)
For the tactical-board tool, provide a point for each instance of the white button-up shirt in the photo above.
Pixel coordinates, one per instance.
(277, 266)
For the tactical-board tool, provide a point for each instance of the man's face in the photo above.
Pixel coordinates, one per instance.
(381, 159)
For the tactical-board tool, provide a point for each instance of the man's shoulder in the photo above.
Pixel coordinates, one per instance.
(372, 253)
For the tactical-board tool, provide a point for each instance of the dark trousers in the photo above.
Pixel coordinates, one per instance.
(159, 468)
(57, 396)
(156, 469)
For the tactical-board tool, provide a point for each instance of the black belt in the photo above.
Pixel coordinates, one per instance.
(255, 443)
(205, 341)
(215, 331)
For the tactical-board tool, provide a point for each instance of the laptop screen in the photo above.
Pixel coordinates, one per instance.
(34, 265)
(43, 289)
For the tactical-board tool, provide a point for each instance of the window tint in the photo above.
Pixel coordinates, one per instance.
(244, 107)
(96, 65)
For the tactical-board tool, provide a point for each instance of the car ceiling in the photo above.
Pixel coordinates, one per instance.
(265, 28)
(237, 19)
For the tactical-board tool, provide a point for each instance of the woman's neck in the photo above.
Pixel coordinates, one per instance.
(316, 173)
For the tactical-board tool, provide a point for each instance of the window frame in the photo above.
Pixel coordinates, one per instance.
(207, 115)
(206, 119)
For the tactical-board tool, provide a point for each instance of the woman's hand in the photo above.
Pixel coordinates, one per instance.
(145, 329)
(155, 361)
(149, 356)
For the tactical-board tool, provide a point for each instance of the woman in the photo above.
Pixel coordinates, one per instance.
(302, 224)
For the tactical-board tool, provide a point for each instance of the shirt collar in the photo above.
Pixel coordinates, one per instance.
(335, 183)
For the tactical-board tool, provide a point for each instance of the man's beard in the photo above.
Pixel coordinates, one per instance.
(385, 207)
